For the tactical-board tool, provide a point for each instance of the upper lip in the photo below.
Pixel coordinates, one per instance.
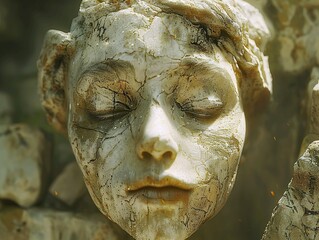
(159, 183)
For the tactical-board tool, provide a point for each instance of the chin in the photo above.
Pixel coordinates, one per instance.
(158, 221)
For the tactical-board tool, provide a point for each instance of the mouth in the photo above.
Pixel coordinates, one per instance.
(166, 190)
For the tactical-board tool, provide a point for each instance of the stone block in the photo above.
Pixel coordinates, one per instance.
(24, 160)
(69, 185)
(40, 224)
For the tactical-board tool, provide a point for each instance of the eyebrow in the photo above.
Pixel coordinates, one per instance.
(108, 67)
(206, 67)
(202, 65)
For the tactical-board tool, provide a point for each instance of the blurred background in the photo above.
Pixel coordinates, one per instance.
(274, 137)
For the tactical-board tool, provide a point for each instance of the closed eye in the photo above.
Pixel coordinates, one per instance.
(112, 110)
(118, 110)
(204, 108)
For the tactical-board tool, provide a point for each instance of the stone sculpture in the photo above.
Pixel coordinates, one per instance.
(152, 95)
(297, 213)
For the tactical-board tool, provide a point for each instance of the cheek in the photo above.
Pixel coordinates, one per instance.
(216, 149)
(225, 147)
(219, 149)
(215, 154)
(103, 163)
(96, 154)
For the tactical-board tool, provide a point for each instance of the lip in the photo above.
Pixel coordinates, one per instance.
(166, 189)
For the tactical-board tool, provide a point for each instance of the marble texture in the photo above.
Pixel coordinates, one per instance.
(265, 168)
(153, 96)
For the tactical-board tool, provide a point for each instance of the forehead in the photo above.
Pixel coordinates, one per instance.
(151, 43)
(128, 32)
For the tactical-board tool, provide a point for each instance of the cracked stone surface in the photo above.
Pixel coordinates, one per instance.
(152, 95)
(297, 213)
(265, 168)
(24, 160)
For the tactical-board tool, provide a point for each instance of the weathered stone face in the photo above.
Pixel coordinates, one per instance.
(153, 106)
(156, 124)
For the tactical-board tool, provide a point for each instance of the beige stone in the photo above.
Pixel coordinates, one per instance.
(69, 185)
(152, 96)
(298, 34)
(24, 160)
(40, 224)
(296, 216)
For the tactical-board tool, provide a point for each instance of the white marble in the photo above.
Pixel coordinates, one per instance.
(152, 96)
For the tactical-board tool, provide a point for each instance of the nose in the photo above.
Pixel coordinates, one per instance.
(156, 141)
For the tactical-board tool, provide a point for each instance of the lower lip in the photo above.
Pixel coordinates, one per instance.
(163, 194)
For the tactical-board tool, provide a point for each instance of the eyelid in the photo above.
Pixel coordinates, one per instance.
(115, 111)
(202, 108)
(107, 103)
(114, 107)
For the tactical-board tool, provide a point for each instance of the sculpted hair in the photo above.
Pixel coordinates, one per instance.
(234, 26)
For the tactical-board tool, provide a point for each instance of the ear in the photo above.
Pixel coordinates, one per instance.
(53, 71)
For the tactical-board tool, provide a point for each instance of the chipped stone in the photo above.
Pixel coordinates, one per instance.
(69, 185)
(39, 224)
(24, 161)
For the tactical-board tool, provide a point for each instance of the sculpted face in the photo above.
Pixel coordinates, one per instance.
(151, 95)
(156, 123)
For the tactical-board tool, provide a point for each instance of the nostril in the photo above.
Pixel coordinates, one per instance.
(167, 155)
(157, 148)
(146, 155)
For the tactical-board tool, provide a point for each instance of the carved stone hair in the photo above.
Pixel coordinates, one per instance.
(233, 25)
